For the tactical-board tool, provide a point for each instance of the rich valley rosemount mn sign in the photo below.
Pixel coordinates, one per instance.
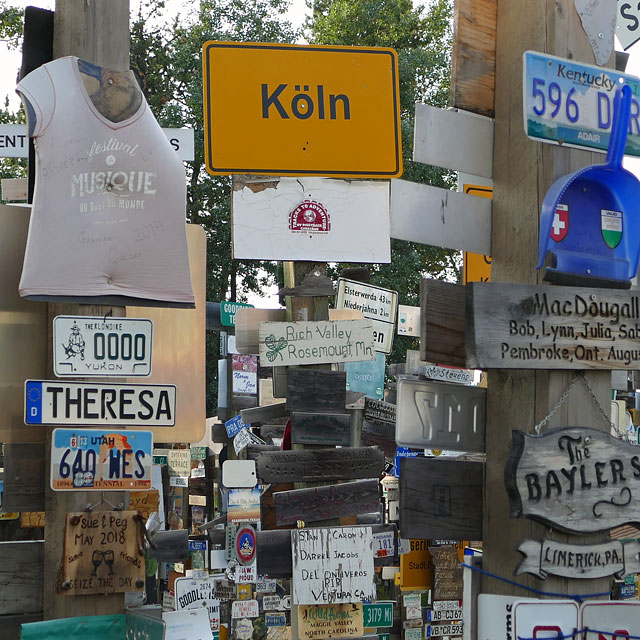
(513, 326)
(575, 479)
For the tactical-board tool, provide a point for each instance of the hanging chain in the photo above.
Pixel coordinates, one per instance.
(579, 375)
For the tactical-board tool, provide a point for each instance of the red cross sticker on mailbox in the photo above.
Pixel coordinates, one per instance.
(560, 226)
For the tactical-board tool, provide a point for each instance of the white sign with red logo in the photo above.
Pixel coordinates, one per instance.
(311, 218)
(545, 619)
(610, 620)
(560, 226)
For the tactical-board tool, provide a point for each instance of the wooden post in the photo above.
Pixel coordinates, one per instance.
(98, 32)
(523, 170)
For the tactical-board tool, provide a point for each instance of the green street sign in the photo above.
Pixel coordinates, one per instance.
(384, 636)
(379, 614)
(228, 312)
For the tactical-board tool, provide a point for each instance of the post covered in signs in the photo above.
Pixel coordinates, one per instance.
(523, 171)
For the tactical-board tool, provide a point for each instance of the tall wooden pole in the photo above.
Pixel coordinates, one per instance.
(96, 31)
(523, 171)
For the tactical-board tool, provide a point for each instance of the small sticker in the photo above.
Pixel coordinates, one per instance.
(560, 226)
(309, 217)
(611, 223)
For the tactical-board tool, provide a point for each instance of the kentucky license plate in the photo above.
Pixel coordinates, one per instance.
(570, 103)
(101, 460)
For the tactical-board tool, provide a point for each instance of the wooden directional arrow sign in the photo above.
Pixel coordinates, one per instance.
(443, 218)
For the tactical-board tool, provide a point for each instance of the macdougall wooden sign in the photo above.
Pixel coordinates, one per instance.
(575, 479)
(320, 464)
(513, 326)
(296, 343)
(321, 503)
(613, 558)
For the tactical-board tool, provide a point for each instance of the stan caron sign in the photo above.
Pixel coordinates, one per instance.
(84, 403)
(317, 110)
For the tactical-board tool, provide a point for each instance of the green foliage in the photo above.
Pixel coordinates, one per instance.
(11, 22)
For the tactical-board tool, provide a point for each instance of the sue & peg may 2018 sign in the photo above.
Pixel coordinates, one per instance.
(296, 343)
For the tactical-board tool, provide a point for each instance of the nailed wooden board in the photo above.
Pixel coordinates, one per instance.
(273, 549)
(318, 428)
(441, 499)
(320, 464)
(539, 327)
(316, 391)
(379, 410)
(442, 319)
(23, 477)
(325, 341)
(575, 479)
(440, 217)
(321, 503)
(21, 577)
(447, 573)
(264, 414)
(473, 62)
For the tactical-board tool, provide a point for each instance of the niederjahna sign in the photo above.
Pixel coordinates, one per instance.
(575, 479)
(99, 403)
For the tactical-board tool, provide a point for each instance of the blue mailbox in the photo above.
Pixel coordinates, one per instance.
(590, 223)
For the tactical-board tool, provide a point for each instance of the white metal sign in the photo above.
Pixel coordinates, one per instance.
(628, 23)
(440, 415)
(196, 594)
(570, 103)
(332, 565)
(376, 303)
(610, 620)
(14, 141)
(545, 619)
(313, 219)
(99, 403)
(408, 320)
(86, 346)
(444, 615)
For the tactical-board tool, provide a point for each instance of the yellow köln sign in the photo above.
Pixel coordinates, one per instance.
(293, 110)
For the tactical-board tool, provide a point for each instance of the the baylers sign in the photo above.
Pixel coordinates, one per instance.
(541, 327)
(575, 479)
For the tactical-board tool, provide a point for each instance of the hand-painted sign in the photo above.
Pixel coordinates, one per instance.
(86, 346)
(332, 565)
(440, 415)
(375, 303)
(101, 553)
(540, 327)
(350, 92)
(197, 593)
(97, 460)
(579, 560)
(99, 403)
(575, 479)
(449, 374)
(244, 609)
(570, 103)
(330, 621)
(311, 219)
(296, 343)
(244, 371)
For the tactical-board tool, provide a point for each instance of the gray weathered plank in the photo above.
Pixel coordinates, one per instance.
(21, 577)
(320, 465)
(264, 414)
(442, 323)
(441, 499)
(316, 391)
(321, 428)
(321, 503)
(24, 477)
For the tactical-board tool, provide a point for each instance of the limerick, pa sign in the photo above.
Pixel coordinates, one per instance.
(575, 479)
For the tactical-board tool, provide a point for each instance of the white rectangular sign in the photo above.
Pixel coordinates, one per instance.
(408, 321)
(545, 619)
(14, 141)
(86, 346)
(296, 343)
(99, 403)
(196, 594)
(375, 303)
(619, 620)
(313, 219)
(332, 565)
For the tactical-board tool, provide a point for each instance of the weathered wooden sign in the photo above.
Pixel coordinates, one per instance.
(274, 553)
(24, 481)
(144, 502)
(102, 553)
(321, 503)
(311, 219)
(579, 560)
(538, 327)
(575, 479)
(316, 391)
(440, 415)
(447, 573)
(441, 499)
(379, 410)
(332, 565)
(317, 428)
(296, 343)
(381, 435)
(320, 464)
(330, 621)
(21, 579)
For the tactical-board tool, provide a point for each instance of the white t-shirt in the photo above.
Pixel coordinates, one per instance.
(108, 217)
